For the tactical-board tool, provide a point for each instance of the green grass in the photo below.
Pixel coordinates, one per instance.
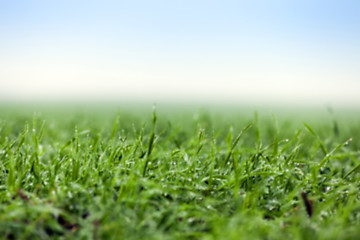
(186, 174)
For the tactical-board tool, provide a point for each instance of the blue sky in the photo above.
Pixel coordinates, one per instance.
(232, 51)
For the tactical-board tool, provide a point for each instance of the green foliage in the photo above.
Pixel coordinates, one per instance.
(83, 175)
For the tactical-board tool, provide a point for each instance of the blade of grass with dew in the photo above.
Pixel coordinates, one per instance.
(151, 142)
(322, 145)
(235, 142)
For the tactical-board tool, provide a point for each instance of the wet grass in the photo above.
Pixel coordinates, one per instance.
(104, 174)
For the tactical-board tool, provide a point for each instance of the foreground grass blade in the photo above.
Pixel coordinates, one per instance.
(328, 156)
(322, 145)
(355, 169)
(151, 142)
(235, 142)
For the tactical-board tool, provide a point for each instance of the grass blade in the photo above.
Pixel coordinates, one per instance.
(338, 147)
(322, 145)
(236, 142)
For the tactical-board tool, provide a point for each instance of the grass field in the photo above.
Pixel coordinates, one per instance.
(134, 173)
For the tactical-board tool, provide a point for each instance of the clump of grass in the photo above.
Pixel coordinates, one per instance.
(186, 178)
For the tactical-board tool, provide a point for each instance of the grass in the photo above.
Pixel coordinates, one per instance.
(202, 174)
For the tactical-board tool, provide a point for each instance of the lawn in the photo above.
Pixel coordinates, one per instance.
(184, 173)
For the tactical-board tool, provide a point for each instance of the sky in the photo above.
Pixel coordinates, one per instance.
(221, 51)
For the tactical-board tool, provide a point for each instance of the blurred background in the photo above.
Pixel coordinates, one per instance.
(228, 52)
